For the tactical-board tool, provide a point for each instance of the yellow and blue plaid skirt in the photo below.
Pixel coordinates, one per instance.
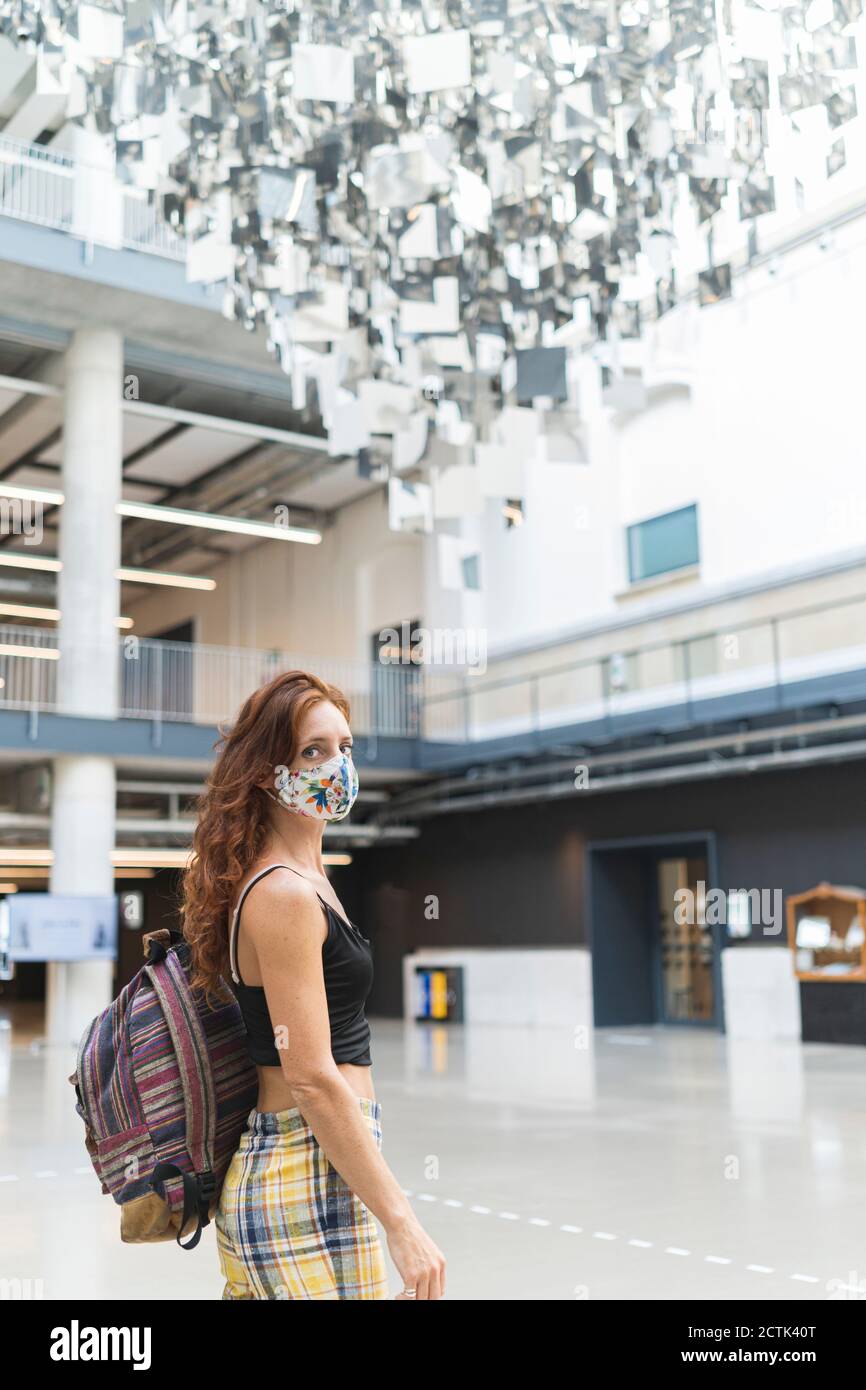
(287, 1224)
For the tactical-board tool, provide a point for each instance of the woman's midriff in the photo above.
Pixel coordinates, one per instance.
(276, 1094)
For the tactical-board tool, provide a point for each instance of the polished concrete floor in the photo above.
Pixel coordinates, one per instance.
(655, 1163)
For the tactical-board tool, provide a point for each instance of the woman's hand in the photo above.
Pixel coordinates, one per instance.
(419, 1260)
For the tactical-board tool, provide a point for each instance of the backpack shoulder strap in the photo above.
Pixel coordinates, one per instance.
(169, 982)
(236, 916)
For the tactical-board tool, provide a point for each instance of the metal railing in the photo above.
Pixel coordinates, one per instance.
(757, 665)
(36, 184)
(661, 682)
(51, 189)
(28, 667)
(179, 682)
(145, 230)
(206, 684)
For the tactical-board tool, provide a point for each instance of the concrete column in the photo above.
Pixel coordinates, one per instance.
(97, 195)
(88, 590)
(83, 792)
(82, 838)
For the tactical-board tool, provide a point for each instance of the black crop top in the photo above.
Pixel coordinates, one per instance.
(348, 970)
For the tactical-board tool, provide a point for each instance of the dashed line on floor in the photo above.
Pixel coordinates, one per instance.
(611, 1235)
(539, 1221)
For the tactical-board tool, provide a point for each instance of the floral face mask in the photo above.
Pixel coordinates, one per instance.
(326, 792)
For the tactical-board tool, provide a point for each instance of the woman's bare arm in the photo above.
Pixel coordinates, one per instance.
(283, 920)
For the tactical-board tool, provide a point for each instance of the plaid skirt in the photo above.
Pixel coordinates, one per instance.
(287, 1225)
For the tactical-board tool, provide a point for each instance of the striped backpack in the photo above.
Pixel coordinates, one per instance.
(164, 1086)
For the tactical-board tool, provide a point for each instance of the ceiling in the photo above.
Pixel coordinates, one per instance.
(189, 462)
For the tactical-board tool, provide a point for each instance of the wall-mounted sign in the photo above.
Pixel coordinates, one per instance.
(50, 926)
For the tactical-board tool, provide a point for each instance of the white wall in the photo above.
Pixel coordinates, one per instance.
(323, 600)
(768, 443)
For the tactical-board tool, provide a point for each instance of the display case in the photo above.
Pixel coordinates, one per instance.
(827, 934)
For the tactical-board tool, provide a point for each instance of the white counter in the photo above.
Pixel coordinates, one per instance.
(520, 985)
(761, 992)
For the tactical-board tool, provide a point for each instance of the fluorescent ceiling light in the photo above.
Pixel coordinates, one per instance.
(48, 615)
(13, 559)
(32, 494)
(25, 859)
(23, 874)
(149, 858)
(38, 653)
(179, 858)
(16, 855)
(240, 525)
(29, 610)
(171, 581)
(148, 511)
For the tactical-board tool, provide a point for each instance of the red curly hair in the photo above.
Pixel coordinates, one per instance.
(232, 815)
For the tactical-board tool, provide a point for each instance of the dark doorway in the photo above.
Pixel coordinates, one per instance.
(683, 941)
(183, 632)
(396, 679)
(653, 959)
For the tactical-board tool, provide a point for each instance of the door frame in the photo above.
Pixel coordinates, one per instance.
(707, 839)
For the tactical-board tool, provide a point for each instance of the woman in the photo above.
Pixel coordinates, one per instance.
(293, 1218)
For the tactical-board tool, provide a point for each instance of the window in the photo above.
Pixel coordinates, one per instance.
(663, 543)
(471, 571)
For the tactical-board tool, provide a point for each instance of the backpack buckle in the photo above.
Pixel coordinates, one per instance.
(206, 1185)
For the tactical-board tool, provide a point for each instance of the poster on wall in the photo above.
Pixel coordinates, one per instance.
(50, 926)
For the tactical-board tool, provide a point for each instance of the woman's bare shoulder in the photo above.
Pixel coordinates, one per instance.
(282, 896)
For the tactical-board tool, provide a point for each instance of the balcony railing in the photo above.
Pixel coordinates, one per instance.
(180, 682)
(760, 666)
(207, 684)
(42, 186)
(756, 666)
